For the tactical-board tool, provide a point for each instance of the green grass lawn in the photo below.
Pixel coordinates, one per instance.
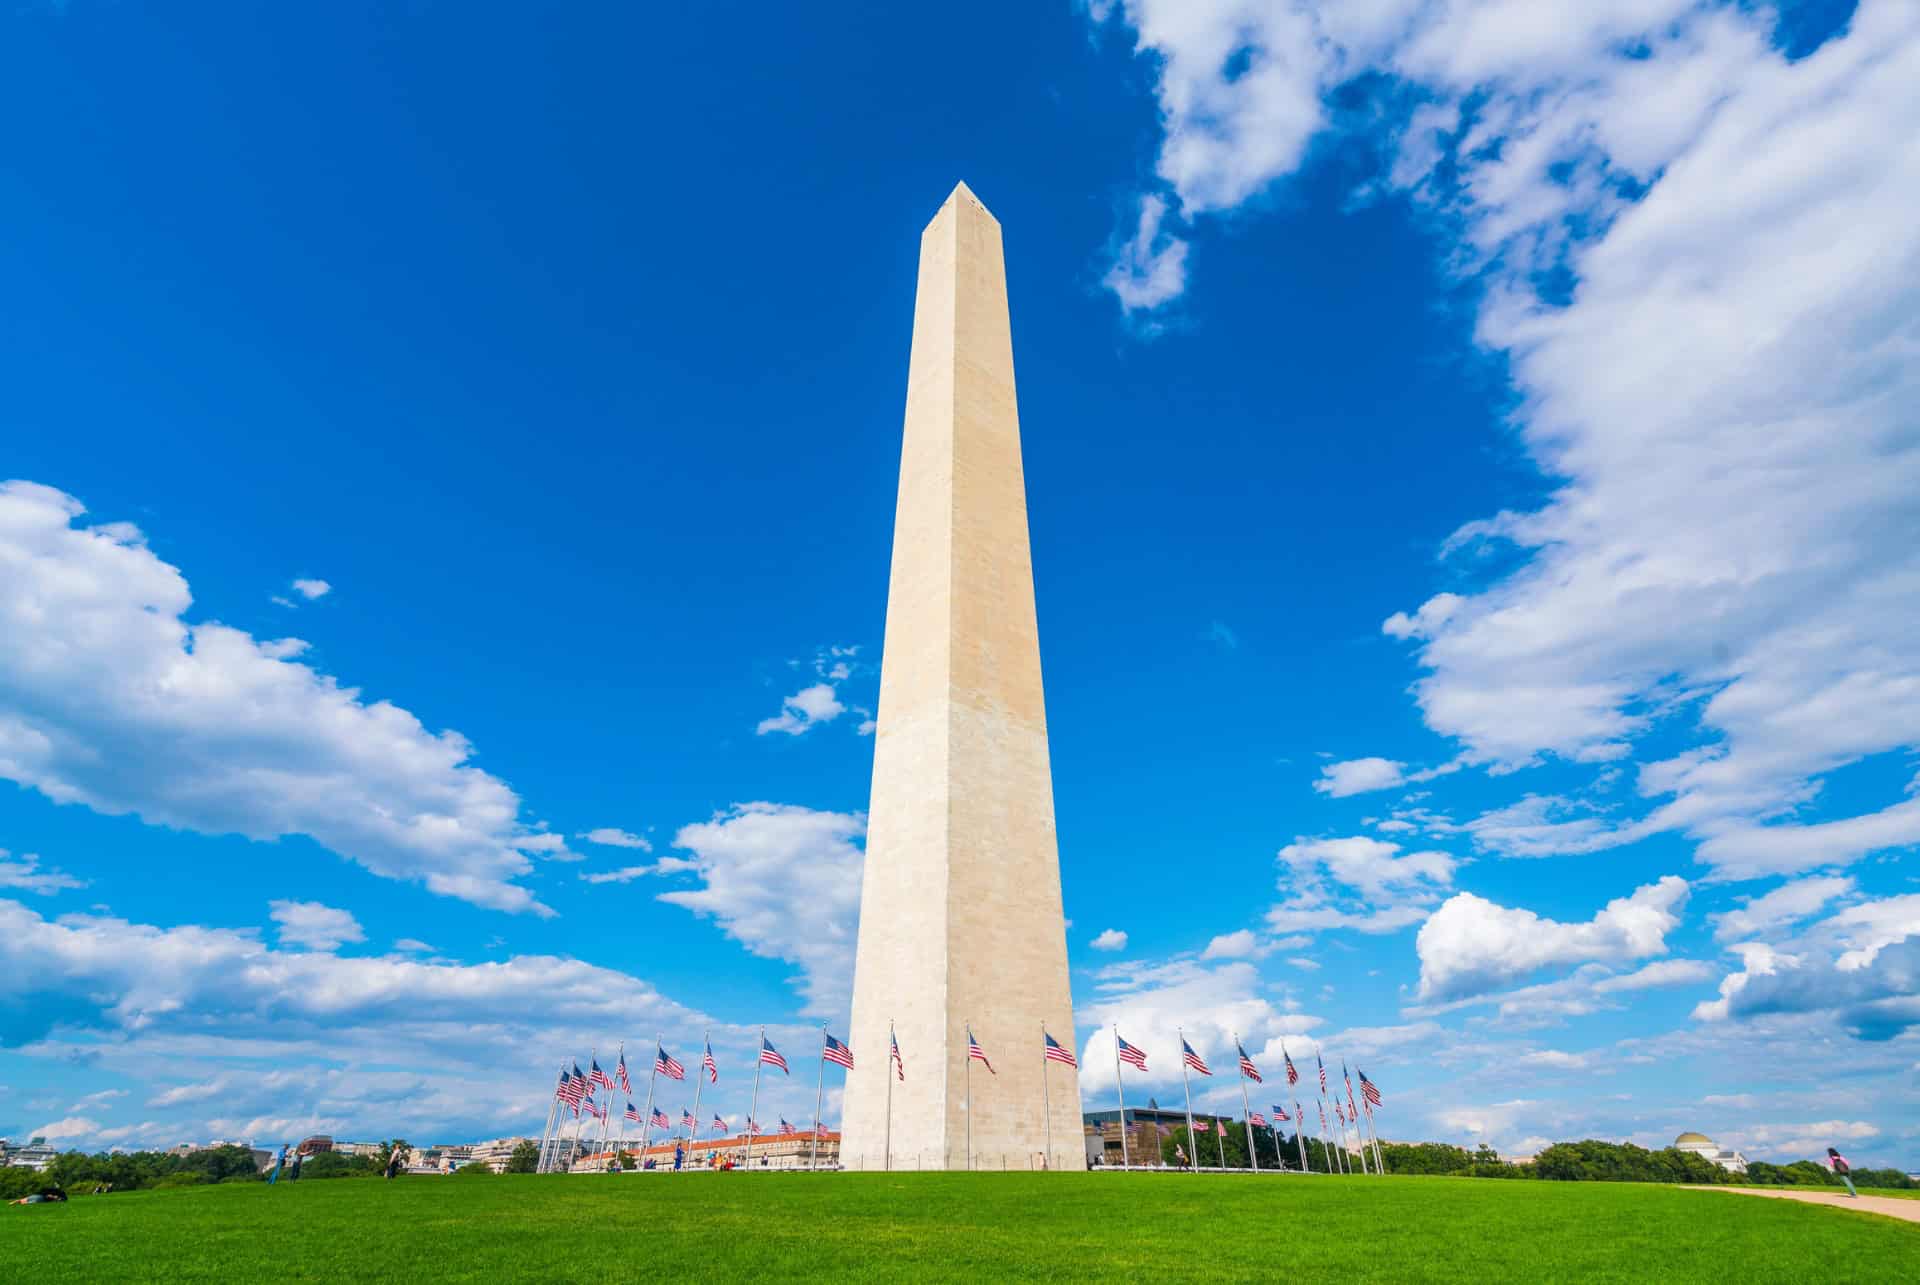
(949, 1227)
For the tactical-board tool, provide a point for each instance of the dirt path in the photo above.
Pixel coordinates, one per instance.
(1891, 1206)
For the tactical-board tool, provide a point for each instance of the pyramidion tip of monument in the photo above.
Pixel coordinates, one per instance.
(962, 193)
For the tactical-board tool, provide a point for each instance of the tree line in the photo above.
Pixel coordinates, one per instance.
(78, 1173)
(1588, 1161)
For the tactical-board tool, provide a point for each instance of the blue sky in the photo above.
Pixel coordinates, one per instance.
(1471, 463)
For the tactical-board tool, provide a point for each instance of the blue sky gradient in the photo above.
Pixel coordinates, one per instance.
(1467, 479)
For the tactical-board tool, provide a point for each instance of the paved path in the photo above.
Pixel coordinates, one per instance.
(1891, 1206)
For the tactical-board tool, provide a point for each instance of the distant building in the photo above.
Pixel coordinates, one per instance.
(1706, 1148)
(779, 1151)
(1144, 1128)
(355, 1148)
(496, 1151)
(37, 1154)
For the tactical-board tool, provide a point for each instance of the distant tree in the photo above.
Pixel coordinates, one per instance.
(1429, 1157)
(390, 1146)
(627, 1161)
(474, 1169)
(332, 1164)
(525, 1158)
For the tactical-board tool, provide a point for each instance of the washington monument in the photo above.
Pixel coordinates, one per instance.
(960, 912)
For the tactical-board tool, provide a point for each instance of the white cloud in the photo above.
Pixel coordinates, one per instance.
(311, 589)
(1151, 1000)
(73, 1126)
(1470, 945)
(1358, 776)
(1369, 866)
(317, 927)
(192, 983)
(1861, 965)
(1150, 267)
(609, 837)
(24, 872)
(414, 946)
(625, 874)
(1711, 357)
(784, 882)
(1785, 905)
(1242, 944)
(111, 699)
(806, 709)
(1111, 939)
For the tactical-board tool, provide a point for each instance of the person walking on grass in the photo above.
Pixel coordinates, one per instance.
(1838, 1163)
(293, 1174)
(278, 1160)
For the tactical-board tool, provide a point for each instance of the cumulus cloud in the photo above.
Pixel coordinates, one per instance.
(1242, 944)
(24, 872)
(1111, 939)
(625, 874)
(1711, 360)
(1357, 882)
(1359, 776)
(1151, 999)
(1471, 945)
(803, 711)
(609, 837)
(188, 983)
(317, 927)
(311, 589)
(1862, 965)
(110, 698)
(784, 882)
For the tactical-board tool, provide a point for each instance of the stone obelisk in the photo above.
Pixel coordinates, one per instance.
(960, 912)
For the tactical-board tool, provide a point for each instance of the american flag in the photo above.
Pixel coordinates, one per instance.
(1133, 1057)
(1192, 1059)
(1293, 1076)
(1323, 1070)
(1259, 1121)
(599, 1113)
(753, 1129)
(573, 1088)
(668, 1065)
(620, 1073)
(1368, 1090)
(719, 1124)
(1054, 1053)
(633, 1113)
(836, 1052)
(1247, 1068)
(560, 1089)
(660, 1120)
(786, 1130)
(1280, 1112)
(597, 1076)
(708, 1065)
(977, 1053)
(1323, 1114)
(1200, 1126)
(687, 1121)
(771, 1056)
(899, 1064)
(1338, 1113)
(1353, 1111)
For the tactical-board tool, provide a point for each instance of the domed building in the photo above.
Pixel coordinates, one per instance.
(1706, 1148)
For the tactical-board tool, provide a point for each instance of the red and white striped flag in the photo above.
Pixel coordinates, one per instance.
(978, 1054)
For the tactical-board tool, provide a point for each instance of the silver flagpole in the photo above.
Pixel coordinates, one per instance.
(606, 1121)
(1300, 1134)
(1187, 1085)
(699, 1083)
(553, 1108)
(1120, 1092)
(819, 1092)
(1253, 1152)
(1220, 1139)
(753, 1110)
(969, 1095)
(579, 1126)
(1326, 1148)
(646, 1125)
(1046, 1100)
(886, 1155)
(1346, 1080)
(1379, 1166)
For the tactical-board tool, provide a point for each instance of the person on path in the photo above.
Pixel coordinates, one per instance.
(1838, 1163)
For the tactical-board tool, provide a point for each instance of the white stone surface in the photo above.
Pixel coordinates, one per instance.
(960, 917)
